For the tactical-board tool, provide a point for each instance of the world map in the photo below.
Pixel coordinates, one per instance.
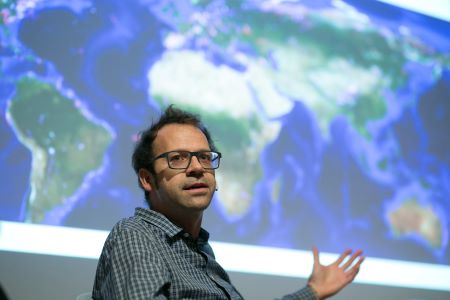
(332, 118)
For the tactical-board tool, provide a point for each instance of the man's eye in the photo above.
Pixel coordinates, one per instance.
(179, 156)
(175, 157)
(205, 157)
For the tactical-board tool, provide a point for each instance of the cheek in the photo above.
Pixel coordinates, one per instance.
(167, 176)
(211, 178)
(172, 183)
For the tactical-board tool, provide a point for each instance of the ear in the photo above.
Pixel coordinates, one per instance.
(145, 178)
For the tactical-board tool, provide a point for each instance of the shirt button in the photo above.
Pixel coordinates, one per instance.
(186, 235)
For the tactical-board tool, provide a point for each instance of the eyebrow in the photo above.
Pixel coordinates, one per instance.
(184, 150)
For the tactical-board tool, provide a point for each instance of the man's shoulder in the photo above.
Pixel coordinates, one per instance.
(145, 228)
(132, 226)
(132, 223)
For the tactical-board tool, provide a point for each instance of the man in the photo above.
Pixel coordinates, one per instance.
(162, 252)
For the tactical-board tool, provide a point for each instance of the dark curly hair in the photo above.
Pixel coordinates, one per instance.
(143, 150)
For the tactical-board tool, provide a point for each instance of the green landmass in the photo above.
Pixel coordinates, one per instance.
(314, 45)
(65, 145)
(366, 107)
(298, 44)
(412, 218)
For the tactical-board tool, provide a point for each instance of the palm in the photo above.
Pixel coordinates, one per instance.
(328, 280)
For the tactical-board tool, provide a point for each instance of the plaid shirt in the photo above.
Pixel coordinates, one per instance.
(149, 257)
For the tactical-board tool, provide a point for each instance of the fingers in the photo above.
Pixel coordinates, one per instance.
(351, 274)
(343, 256)
(316, 255)
(349, 262)
(358, 264)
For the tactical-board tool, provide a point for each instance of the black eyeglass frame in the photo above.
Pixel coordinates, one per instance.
(191, 153)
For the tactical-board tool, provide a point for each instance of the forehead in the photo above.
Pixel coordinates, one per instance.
(179, 137)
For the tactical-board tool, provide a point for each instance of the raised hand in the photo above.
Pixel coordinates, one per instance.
(328, 280)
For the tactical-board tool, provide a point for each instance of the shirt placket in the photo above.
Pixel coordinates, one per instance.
(213, 270)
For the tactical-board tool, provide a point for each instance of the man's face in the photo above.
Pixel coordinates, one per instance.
(179, 192)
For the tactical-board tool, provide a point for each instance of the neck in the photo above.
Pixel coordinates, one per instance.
(191, 225)
(190, 221)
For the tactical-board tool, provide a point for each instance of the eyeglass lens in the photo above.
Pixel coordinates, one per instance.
(182, 159)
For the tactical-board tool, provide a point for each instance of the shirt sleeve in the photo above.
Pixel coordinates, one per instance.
(130, 268)
(305, 293)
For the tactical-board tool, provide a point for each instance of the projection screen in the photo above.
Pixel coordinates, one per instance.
(331, 116)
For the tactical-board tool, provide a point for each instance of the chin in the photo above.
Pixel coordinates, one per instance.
(200, 204)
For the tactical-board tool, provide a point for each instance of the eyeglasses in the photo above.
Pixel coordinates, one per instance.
(182, 159)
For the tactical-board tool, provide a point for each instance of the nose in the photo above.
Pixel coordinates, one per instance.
(195, 166)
